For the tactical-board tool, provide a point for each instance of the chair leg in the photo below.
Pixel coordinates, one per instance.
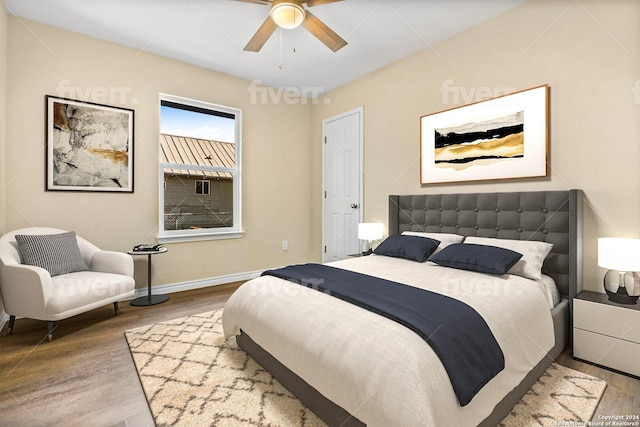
(116, 307)
(51, 325)
(12, 320)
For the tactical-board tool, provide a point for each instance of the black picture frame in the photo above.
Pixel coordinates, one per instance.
(90, 147)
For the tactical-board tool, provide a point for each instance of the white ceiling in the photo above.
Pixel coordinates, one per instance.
(212, 33)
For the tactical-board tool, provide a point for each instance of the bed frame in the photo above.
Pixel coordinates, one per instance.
(549, 216)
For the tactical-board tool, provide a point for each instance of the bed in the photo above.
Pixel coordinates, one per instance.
(353, 367)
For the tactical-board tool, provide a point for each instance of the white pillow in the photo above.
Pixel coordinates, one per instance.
(551, 290)
(444, 238)
(533, 254)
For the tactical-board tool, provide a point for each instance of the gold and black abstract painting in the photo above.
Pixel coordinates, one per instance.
(487, 141)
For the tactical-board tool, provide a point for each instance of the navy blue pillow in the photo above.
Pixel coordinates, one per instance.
(482, 258)
(408, 247)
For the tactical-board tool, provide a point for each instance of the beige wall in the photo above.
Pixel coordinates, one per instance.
(48, 61)
(4, 37)
(588, 52)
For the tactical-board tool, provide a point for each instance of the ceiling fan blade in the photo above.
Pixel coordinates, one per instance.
(312, 3)
(255, 1)
(261, 36)
(323, 33)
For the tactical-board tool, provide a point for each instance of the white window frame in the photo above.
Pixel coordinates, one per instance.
(168, 236)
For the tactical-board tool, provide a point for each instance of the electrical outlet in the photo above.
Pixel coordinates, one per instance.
(285, 245)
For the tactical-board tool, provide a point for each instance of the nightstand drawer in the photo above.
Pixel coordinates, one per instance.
(617, 322)
(603, 350)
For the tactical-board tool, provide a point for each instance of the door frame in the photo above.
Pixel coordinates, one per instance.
(360, 111)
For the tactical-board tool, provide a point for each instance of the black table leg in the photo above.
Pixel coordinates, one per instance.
(149, 299)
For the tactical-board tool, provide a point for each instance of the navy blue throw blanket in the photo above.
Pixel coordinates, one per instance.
(456, 332)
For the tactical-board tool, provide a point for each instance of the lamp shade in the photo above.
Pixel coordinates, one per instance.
(619, 254)
(370, 231)
(287, 14)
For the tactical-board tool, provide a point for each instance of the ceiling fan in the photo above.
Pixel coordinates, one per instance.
(290, 14)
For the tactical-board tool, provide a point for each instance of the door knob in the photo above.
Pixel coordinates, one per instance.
(354, 206)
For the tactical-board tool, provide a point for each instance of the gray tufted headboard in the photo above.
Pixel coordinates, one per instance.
(549, 216)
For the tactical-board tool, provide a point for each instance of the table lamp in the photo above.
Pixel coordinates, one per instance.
(622, 255)
(369, 231)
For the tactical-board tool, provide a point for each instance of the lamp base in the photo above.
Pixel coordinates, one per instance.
(621, 296)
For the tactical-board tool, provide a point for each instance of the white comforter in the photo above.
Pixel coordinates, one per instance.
(379, 371)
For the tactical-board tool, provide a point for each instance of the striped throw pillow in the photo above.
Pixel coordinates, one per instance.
(56, 253)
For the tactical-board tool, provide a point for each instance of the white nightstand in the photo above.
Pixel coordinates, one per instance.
(606, 333)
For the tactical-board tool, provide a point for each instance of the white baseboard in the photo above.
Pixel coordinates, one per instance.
(198, 284)
(178, 287)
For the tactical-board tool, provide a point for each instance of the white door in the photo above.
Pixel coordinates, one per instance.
(342, 184)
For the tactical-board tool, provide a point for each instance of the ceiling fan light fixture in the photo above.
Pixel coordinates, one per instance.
(287, 14)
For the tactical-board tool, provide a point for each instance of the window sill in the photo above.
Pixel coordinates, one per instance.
(179, 238)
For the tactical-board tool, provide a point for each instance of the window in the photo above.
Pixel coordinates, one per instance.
(203, 188)
(199, 149)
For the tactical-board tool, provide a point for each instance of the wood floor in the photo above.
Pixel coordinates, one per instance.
(86, 377)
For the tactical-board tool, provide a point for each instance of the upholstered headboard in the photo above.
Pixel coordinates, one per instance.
(549, 216)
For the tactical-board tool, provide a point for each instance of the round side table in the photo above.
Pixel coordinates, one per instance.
(149, 299)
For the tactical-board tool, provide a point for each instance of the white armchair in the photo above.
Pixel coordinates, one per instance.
(30, 291)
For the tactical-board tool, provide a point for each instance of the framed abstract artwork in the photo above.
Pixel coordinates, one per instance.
(89, 146)
(500, 138)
